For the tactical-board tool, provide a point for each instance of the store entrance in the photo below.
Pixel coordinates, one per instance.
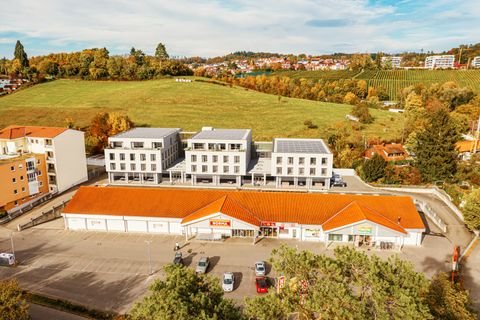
(269, 232)
(242, 233)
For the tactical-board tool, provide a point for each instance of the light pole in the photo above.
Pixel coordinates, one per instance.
(148, 242)
(11, 241)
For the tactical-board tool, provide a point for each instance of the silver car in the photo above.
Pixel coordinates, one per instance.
(228, 281)
(202, 265)
(260, 269)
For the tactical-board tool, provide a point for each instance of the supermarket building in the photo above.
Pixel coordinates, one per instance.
(201, 213)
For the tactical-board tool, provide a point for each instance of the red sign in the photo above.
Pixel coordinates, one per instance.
(219, 223)
(268, 224)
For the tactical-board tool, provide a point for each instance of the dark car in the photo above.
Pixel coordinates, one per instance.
(261, 284)
(178, 259)
(339, 183)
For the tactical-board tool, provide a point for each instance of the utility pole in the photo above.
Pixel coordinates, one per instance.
(11, 241)
(148, 242)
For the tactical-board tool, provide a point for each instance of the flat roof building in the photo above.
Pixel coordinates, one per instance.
(440, 62)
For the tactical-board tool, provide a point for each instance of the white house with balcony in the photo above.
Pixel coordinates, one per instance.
(440, 62)
(301, 162)
(141, 155)
(218, 155)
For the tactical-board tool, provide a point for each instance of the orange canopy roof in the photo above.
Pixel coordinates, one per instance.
(249, 206)
(466, 146)
(356, 213)
(15, 132)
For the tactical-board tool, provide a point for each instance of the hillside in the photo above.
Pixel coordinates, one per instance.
(166, 103)
(394, 80)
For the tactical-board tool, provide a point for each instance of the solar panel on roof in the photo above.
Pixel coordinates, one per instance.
(300, 146)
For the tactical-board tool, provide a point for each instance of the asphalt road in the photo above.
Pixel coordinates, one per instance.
(38, 312)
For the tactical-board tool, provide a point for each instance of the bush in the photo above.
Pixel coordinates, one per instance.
(310, 124)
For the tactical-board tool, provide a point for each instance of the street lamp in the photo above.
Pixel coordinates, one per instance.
(11, 241)
(148, 242)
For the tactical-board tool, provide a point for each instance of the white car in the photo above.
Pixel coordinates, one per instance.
(260, 270)
(228, 281)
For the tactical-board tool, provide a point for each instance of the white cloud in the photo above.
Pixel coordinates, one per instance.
(207, 28)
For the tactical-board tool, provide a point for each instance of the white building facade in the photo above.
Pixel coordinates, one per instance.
(440, 62)
(392, 62)
(476, 62)
(141, 155)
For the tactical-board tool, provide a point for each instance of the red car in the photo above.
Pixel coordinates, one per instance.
(261, 284)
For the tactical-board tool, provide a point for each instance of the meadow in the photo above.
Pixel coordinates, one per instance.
(166, 103)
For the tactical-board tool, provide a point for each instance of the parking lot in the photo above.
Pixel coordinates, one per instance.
(110, 271)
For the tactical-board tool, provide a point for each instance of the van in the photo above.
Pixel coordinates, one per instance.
(7, 259)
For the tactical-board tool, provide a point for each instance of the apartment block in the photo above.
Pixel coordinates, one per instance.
(142, 155)
(218, 155)
(36, 161)
(392, 61)
(301, 162)
(440, 62)
(476, 62)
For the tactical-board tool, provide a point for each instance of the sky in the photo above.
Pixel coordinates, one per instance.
(209, 28)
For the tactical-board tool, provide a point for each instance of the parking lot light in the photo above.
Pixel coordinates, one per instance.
(148, 242)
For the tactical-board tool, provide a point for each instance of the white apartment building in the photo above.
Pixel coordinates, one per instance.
(392, 61)
(141, 155)
(64, 151)
(301, 162)
(439, 62)
(476, 62)
(218, 155)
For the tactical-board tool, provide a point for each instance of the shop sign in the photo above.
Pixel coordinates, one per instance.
(268, 224)
(365, 230)
(312, 233)
(219, 223)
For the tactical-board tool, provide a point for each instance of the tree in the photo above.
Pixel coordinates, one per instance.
(105, 125)
(362, 112)
(351, 98)
(184, 295)
(436, 156)
(350, 285)
(20, 54)
(374, 169)
(161, 52)
(12, 302)
(471, 210)
(449, 301)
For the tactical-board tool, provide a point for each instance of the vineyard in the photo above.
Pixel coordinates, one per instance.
(394, 80)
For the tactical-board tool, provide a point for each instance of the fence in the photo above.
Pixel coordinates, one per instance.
(427, 210)
(46, 216)
(25, 208)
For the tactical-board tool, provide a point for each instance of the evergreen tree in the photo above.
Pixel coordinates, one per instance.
(12, 301)
(20, 54)
(374, 169)
(161, 52)
(471, 210)
(436, 156)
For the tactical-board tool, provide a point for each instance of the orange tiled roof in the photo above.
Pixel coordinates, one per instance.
(466, 146)
(385, 150)
(15, 132)
(250, 206)
(356, 213)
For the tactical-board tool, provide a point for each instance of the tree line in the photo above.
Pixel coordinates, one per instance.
(94, 64)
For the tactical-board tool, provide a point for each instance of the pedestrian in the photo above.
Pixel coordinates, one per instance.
(177, 246)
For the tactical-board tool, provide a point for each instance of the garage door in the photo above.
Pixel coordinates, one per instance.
(96, 224)
(158, 226)
(116, 225)
(175, 228)
(136, 225)
(76, 223)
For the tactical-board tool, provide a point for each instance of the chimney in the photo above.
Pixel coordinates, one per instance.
(398, 220)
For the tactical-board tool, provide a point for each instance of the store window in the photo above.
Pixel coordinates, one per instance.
(335, 237)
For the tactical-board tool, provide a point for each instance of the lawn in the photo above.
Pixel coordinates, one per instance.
(166, 103)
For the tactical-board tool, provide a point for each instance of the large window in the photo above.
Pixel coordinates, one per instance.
(194, 158)
(122, 156)
(152, 157)
(225, 169)
(225, 159)
(204, 158)
(237, 159)
(279, 160)
(194, 168)
(157, 145)
(313, 161)
(132, 156)
(279, 170)
(112, 166)
(290, 160)
(112, 156)
(215, 158)
(301, 160)
(335, 237)
(143, 157)
(204, 168)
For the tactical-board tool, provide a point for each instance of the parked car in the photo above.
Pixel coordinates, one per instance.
(261, 284)
(339, 183)
(260, 269)
(228, 281)
(178, 259)
(202, 265)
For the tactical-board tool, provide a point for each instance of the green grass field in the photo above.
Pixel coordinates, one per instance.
(166, 103)
(394, 80)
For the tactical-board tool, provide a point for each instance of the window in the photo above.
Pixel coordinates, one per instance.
(279, 170)
(122, 166)
(290, 160)
(16, 202)
(40, 183)
(132, 156)
(225, 158)
(313, 161)
(21, 178)
(279, 160)
(204, 168)
(30, 165)
(194, 168)
(137, 145)
(301, 160)
(23, 189)
(324, 160)
(236, 169)
(132, 166)
(324, 171)
(335, 237)
(38, 161)
(143, 167)
(154, 167)
(39, 173)
(152, 157)
(31, 177)
(112, 156)
(143, 157)
(290, 170)
(225, 169)
(15, 191)
(312, 171)
(112, 166)
(20, 166)
(157, 145)
(12, 168)
(204, 158)
(14, 180)
(122, 156)
(301, 171)
(237, 159)
(215, 158)
(215, 168)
